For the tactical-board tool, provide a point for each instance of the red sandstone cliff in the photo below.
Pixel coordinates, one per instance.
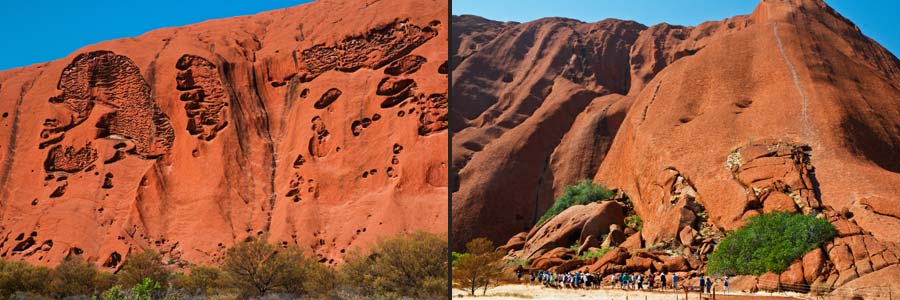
(788, 108)
(322, 125)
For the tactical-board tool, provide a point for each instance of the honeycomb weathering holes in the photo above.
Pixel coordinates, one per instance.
(109, 79)
(205, 95)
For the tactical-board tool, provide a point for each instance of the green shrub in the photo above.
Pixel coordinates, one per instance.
(74, 277)
(584, 192)
(598, 253)
(769, 243)
(410, 265)
(634, 222)
(518, 262)
(455, 256)
(143, 265)
(17, 276)
(202, 280)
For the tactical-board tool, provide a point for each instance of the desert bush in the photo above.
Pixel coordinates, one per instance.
(518, 262)
(584, 192)
(143, 265)
(17, 276)
(410, 265)
(769, 243)
(257, 268)
(74, 277)
(478, 267)
(634, 221)
(201, 280)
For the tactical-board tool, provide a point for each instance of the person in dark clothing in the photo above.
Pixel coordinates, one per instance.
(708, 285)
(702, 283)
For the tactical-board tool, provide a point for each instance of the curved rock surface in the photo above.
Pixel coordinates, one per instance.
(189, 139)
(788, 108)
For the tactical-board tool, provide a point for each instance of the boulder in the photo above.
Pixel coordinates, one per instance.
(686, 236)
(747, 284)
(598, 224)
(778, 201)
(566, 228)
(617, 256)
(560, 252)
(589, 242)
(515, 243)
(813, 263)
(768, 282)
(675, 263)
(633, 242)
(545, 263)
(638, 264)
(793, 279)
(567, 266)
(614, 238)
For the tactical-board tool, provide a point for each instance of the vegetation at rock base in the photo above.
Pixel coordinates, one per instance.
(413, 265)
(585, 192)
(408, 266)
(596, 253)
(769, 243)
(142, 265)
(478, 266)
(634, 221)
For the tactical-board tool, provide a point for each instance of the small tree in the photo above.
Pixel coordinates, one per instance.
(477, 266)
(143, 265)
(74, 277)
(256, 267)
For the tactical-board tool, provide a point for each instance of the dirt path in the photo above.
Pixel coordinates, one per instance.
(516, 292)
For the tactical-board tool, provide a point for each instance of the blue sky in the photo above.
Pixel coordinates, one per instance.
(876, 18)
(36, 31)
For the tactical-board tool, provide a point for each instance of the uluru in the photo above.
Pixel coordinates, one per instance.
(696, 128)
(322, 125)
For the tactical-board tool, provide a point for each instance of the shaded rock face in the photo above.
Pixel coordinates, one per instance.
(788, 108)
(187, 140)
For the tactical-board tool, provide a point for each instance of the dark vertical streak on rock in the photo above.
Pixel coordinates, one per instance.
(537, 192)
(266, 132)
(11, 145)
(239, 123)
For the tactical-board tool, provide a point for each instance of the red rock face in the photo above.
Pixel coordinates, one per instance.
(789, 108)
(301, 124)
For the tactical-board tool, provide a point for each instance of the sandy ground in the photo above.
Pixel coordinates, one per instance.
(518, 292)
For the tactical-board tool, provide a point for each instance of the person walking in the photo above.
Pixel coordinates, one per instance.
(702, 284)
(708, 285)
(674, 281)
(725, 284)
(662, 280)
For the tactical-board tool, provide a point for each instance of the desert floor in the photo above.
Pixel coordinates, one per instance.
(516, 292)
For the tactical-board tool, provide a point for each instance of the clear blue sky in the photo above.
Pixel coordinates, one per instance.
(35, 31)
(876, 18)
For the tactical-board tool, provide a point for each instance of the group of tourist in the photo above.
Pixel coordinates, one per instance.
(628, 281)
(575, 280)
